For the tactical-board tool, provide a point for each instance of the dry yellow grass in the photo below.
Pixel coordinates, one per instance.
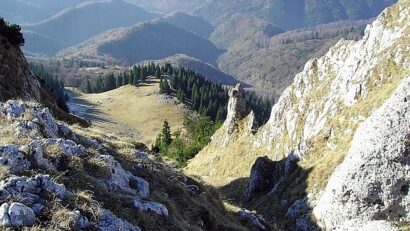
(136, 112)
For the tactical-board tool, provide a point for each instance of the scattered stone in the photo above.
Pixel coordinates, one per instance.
(155, 207)
(142, 156)
(11, 157)
(21, 215)
(4, 215)
(109, 222)
(123, 180)
(13, 109)
(29, 190)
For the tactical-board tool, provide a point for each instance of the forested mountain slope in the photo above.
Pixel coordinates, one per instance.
(79, 23)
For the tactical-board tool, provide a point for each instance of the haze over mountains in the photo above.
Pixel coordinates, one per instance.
(291, 14)
(77, 24)
(151, 40)
(32, 11)
(254, 41)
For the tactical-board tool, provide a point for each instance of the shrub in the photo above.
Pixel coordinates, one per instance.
(12, 32)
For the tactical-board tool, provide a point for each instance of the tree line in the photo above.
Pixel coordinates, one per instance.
(53, 85)
(12, 32)
(206, 97)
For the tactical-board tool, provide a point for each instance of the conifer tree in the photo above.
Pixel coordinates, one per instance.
(166, 138)
(88, 87)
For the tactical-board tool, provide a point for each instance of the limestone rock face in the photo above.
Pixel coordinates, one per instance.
(316, 119)
(236, 108)
(373, 181)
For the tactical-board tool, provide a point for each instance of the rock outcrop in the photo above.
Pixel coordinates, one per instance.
(47, 146)
(17, 82)
(237, 109)
(316, 119)
(264, 175)
(373, 181)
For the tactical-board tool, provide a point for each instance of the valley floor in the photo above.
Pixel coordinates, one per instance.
(135, 112)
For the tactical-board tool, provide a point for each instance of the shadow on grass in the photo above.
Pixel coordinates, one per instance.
(283, 205)
(84, 108)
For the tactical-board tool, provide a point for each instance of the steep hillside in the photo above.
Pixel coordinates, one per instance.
(17, 81)
(325, 118)
(271, 62)
(134, 112)
(293, 14)
(146, 41)
(190, 23)
(77, 24)
(205, 69)
(240, 29)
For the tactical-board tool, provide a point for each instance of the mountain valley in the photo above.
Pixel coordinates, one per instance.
(140, 115)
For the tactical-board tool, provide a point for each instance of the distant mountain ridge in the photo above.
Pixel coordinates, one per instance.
(190, 23)
(291, 14)
(145, 41)
(32, 11)
(208, 71)
(77, 24)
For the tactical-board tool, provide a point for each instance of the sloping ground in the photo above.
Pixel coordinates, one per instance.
(55, 177)
(135, 112)
(315, 120)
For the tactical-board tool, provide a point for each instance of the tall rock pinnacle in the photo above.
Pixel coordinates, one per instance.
(237, 109)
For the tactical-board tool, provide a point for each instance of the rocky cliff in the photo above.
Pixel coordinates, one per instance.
(17, 81)
(335, 106)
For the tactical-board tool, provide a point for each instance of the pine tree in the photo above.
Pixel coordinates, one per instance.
(88, 87)
(166, 138)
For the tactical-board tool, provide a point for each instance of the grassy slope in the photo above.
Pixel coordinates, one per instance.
(137, 112)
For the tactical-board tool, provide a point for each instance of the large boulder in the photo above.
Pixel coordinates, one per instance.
(265, 173)
(21, 215)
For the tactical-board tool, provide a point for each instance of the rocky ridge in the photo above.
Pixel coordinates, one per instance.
(58, 177)
(316, 121)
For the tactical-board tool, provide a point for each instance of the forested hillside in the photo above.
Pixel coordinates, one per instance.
(294, 13)
(77, 24)
(146, 41)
